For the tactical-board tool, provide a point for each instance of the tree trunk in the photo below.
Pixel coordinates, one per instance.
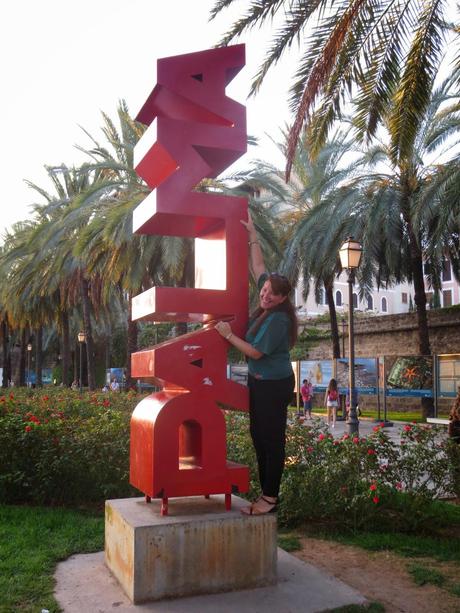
(91, 367)
(5, 345)
(22, 358)
(329, 287)
(132, 346)
(66, 354)
(39, 356)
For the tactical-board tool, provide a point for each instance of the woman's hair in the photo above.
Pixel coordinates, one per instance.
(332, 385)
(280, 285)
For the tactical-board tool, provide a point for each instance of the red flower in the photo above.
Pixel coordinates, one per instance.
(106, 403)
(310, 449)
(356, 440)
(376, 428)
(376, 500)
(373, 487)
(413, 422)
(321, 437)
(371, 452)
(407, 428)
(345, 437)
(45, 398)
(11, 396)
(28, 428)
(398, 485)
(336, 442)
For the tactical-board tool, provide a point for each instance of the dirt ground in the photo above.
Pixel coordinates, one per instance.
(382, 576)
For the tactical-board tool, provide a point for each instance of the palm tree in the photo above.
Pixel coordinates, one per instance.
(310, 240)
(388, 51)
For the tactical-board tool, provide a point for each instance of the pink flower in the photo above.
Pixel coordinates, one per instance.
(371, 452)
(28, 428)
(356, 440)
(376, 500)
(376, 428)
(373, 487)
(407, 428)
(321, 437)
(345, 437)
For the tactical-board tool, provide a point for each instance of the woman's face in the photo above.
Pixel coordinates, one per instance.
(269, 300)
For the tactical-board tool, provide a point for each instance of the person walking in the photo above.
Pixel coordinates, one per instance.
(306, 392)
(272, 332)
(331, 402)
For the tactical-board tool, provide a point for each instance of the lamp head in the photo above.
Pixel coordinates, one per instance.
(81, 337)
(350, 254)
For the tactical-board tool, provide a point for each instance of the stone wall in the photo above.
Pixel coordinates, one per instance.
(389, 335)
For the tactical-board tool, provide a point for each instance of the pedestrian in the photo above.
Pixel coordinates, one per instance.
(307, 393)
(114, 385)
(272, 332)
(331, 402)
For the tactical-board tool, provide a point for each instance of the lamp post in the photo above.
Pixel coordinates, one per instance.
(81, 339)
(350, 257)
(29, 350)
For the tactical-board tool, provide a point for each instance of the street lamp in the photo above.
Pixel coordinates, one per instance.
(350, 257)
(81, 339)
(29, 349)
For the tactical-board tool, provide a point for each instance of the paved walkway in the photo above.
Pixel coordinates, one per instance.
(83, 583)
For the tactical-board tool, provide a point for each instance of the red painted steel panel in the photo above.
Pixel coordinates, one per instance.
(178, 435)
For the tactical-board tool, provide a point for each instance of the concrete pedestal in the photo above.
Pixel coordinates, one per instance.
(198, 549)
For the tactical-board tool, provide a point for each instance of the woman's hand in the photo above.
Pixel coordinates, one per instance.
(249, 225)
(224, 329)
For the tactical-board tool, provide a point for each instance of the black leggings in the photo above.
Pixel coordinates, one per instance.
(268, 403)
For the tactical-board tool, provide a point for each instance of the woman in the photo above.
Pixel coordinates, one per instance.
(272, 331)
(331, 401)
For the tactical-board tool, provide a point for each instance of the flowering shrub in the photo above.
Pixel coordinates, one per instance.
(60, 448)
(355, 482)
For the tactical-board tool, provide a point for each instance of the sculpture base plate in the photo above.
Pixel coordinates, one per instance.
(199, 548)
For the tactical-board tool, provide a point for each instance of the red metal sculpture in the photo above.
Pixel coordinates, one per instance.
(178, 435)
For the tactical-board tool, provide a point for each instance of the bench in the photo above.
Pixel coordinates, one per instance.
(437, 420)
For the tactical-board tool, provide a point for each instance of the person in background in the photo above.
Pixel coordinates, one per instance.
(331, 402)
(114, 385)
(307, 393)
(74, 385)
(272, 332)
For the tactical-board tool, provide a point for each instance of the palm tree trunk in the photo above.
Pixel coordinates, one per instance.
(84, 291)
(39, 356)
(66, 357)
(5, 374)
(329, 287)
(22, 357)
(132, 346)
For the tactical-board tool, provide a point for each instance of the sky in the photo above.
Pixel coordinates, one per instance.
(63, 62)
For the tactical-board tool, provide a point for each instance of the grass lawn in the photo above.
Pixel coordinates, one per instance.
(32, 541)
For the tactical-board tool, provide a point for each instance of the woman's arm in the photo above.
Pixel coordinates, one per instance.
(224, 329)
(256, 259)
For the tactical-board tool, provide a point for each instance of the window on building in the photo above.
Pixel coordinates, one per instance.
(370, 303)
(447, 298)
(404, 297)
(355, 301)
(446, 271)
(338, 298)
(322, 296)
(384, 305)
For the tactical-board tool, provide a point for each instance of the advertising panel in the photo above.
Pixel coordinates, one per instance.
(365, 375)
(318, 372)
(448, 375)
(409, 376)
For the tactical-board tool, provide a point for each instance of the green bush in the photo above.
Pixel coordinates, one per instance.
(60, 448)
(355, 482)
(57, 447)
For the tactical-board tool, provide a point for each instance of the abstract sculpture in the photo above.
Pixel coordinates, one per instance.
(178, 435)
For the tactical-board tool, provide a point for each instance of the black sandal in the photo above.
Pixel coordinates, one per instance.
(250, 510)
